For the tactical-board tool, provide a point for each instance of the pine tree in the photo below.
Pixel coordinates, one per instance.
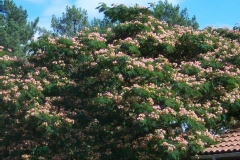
(15, 30)
(71, 22)
(165, 11)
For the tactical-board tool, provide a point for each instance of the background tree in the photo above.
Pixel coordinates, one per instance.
(43, 31)
(102, 24)
(237, 26)
(15, 30)
(165, 11)
(71, 22)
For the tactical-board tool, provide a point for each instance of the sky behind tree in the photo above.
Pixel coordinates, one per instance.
(215, 13)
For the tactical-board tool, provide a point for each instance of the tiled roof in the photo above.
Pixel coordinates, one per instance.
(230, 142)
(1, 148)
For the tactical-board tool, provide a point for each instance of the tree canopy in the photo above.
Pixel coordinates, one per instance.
(165, 11)
(143, 89)
(71, 22)
(15, 31)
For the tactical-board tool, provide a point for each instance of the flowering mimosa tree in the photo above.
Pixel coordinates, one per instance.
(140, 90)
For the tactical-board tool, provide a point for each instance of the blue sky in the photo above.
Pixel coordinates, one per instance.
(215, 13)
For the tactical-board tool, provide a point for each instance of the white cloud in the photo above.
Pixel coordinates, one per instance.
(53, 7)
(45, 22)
(175, 2)
(56, 7)
(37, 2)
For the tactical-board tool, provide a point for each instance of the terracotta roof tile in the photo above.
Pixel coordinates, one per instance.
(230, 142)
